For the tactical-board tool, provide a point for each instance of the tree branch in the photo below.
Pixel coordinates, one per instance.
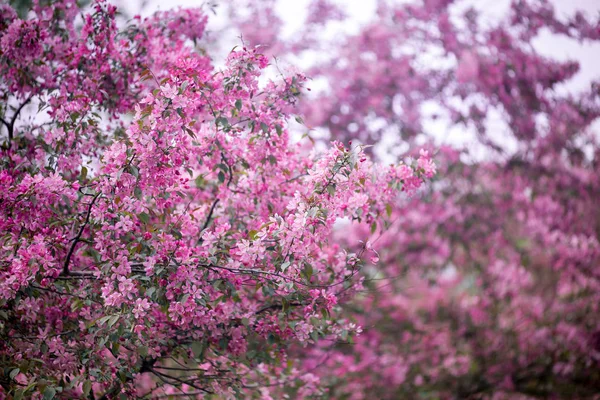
(10, 126)
(209, 216)
(78, 236)
(176, 379)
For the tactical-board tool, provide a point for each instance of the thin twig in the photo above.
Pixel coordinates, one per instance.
(64, 293)
(210, 213)
(159, 374)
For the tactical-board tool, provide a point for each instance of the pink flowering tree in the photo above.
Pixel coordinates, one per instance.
(490, 287)
(160, 233)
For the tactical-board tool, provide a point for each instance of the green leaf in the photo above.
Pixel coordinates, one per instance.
(344, 335)
(133, 170)
(199, 181)
(14, 373)
(189, 132)
(112, 320)
(252, 234)
(308, 271)
(77, 305)
(238, 104)
(388, 210)
(267, 290)
(223, 167)
(84, 172)
(145, 218)
(49, 393)
(103, 320)
(373, 227)
(87, 388)
(314, 335)
(143, 351)
(285, 305)
(264, 127)
(198, 349)
(222, 121)
(221, 176)
(223, 343)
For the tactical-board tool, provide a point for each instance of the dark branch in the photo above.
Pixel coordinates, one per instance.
(64, 293)
(176, 379)
(78, 236)
(210, 213)
(10, 126)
